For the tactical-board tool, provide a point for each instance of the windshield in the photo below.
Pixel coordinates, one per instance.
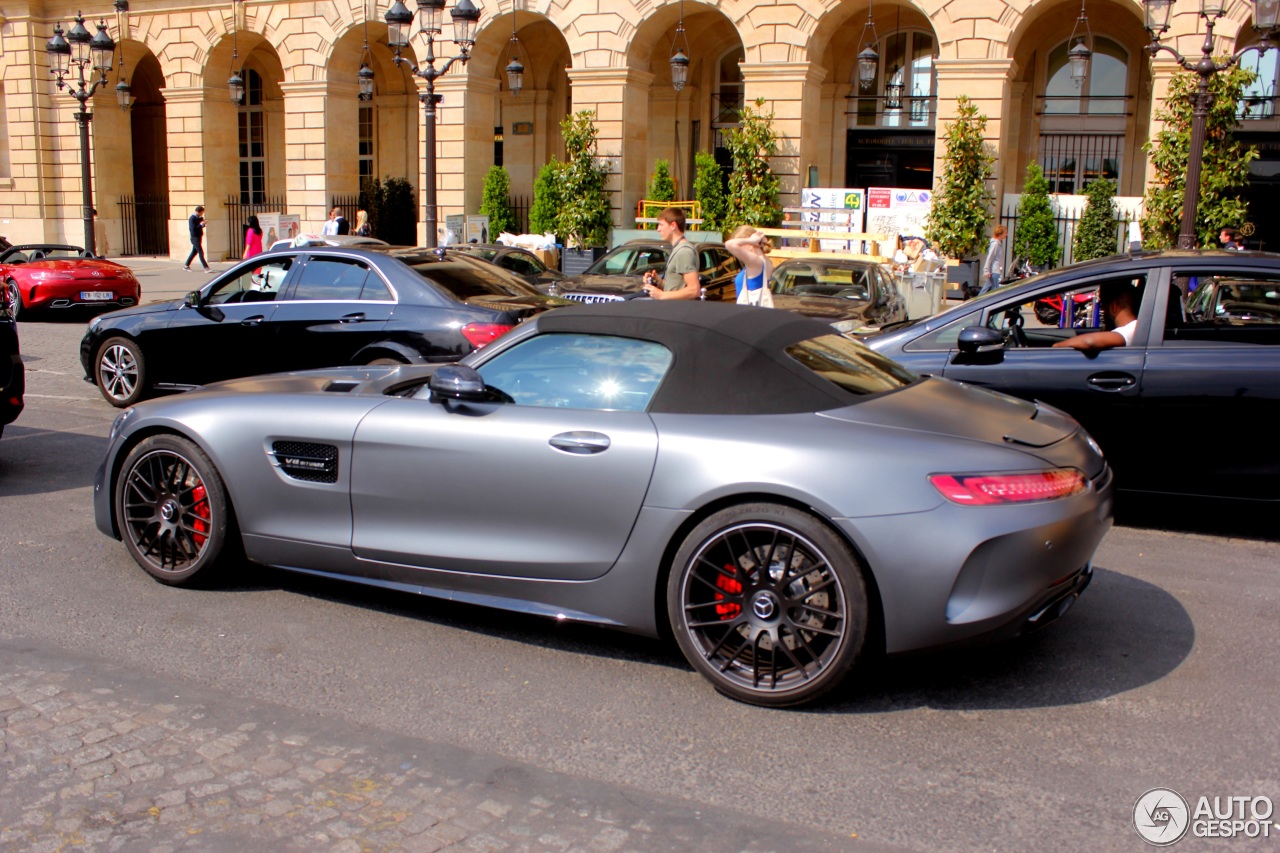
(851, 365)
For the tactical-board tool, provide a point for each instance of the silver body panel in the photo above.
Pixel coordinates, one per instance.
(475, 502)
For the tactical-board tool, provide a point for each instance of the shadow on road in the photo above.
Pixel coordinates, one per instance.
(41, 461)
(1124, 633)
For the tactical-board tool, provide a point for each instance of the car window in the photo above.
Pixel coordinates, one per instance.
(1239, 308)
(618, 262)
(520, 264)
(580, 372)
(1072, 309)
(253, 284)
(851, 365)
(465, 281)
(56, 254)
(331, 279)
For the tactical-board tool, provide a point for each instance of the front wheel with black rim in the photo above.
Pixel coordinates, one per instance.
(121, 372)
(769, 604)
(172, 511)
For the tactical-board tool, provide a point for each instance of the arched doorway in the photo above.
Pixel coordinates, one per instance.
(144, 212)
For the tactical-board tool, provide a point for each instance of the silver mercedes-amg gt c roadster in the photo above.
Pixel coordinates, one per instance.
(782, 499)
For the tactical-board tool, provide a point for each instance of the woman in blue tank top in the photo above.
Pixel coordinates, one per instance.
(752, 282)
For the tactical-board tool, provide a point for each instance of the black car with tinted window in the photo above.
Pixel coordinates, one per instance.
(12, 375)
(1184, 409)
(522, 262)
(307, 307)
(620, 273)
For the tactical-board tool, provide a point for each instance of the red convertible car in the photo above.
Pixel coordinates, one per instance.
(47, 275)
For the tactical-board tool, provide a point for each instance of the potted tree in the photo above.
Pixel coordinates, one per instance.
(957, 222)
(496, 202)
(753, 187)
(1036, 240)
(709, 190)
(1096, 234)
(584, 219)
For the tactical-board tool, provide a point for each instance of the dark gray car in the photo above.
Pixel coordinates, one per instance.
(620, 273)
(778, 495)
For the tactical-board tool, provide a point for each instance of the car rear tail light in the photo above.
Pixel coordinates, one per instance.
(52, 275)
(988, 489)
(479, 334)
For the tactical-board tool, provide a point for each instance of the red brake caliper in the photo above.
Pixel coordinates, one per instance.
(731, 609)
(201, 509)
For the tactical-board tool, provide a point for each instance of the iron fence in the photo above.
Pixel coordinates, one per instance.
(1066, 224)
(238, 213)
(145, 221)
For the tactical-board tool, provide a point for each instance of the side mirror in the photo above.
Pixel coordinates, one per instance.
(192, 299)
(457, 382)
(975, 340)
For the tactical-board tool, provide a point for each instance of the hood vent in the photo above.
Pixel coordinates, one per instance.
(301, 460)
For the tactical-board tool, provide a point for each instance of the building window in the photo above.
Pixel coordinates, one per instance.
(1072, 160)
(253, 142)
(904, 92)
(1258, 101)
(726, 106)
(1105, 86)
(366, 144)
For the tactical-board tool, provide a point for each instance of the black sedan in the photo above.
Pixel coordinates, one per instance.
(12, 375)
(853, 296)
(522, 262)
(307, 307)
(1180, 410)
(620, 273)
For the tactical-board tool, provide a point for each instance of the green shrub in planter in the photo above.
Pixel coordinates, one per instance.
(545, 211)
(496, 201)
(709, 191)
(753, 187)
(1036, 240)
(957, 223)
(1096, 231)
(584, 218)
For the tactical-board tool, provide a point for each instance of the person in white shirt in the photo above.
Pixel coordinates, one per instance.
(1117, 301)
(335, 224)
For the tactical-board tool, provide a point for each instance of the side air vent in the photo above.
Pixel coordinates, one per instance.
(341, 386)
(311, 463)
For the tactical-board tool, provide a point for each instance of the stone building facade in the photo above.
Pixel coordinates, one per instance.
(303, 137)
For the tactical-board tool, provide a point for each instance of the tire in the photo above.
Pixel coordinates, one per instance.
(15, 299)
(173, 513)
(779, 637)
(385, 362)
(120, 372)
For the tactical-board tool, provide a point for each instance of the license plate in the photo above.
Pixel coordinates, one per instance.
(97, 295)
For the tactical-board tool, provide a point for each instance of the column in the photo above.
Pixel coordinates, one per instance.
(620, 98)
(792, 91)
(985, 82)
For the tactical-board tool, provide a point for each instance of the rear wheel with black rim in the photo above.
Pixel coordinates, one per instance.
(769, 604)
(172, 511)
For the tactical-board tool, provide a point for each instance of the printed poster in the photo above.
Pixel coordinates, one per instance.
(897, 212)
(843, 207)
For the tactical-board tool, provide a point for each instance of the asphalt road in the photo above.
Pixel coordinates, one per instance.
(1164, 675)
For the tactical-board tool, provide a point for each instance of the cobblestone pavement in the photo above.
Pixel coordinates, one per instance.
(99, 758)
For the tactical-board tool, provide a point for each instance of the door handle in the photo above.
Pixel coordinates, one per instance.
(1112, 381)
(352, 318)
(252, 321)
(580, 441)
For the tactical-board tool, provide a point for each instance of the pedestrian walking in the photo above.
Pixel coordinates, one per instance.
(252, 238)
(680, 276)
(195, 227)
(993, 266)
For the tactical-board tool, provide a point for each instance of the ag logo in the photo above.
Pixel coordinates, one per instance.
(1161, 816)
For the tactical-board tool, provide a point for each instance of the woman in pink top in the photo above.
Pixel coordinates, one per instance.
(252, 238)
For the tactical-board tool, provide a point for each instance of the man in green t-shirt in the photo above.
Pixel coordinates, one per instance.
(679, 279)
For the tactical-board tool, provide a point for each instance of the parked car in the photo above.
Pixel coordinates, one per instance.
(40, 276)
(12, 373)
(1166, 408)
(307, 307)
(344, 241)
(621, 272)
(578, 469)
(851, 295)
(522, 262)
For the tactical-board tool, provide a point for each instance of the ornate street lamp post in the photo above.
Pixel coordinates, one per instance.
(399, 19)
(78, 48)
(1157, 13)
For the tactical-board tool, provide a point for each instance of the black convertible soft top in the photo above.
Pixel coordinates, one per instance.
(728, 359)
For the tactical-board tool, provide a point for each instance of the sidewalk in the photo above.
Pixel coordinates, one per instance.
(163, 279)
(98, 757)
